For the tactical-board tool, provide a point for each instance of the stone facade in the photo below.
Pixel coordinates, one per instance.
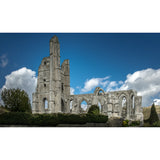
(53, 92)
(53, 85)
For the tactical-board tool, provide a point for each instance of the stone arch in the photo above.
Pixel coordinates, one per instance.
(83, 106)
(73, 104)
(99, 91)
(123, 104)
(45, 103)
(132, 103)
(82, 99)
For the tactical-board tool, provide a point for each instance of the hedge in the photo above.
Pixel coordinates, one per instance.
(19, 118)
(127, 123)
(16, 118)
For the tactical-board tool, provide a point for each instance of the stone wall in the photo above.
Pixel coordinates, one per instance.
(111, 103)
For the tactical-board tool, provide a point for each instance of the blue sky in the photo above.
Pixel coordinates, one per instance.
(103, 59)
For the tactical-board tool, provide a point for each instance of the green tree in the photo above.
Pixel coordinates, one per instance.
(16, 100)
(153, 116)
(94, 109)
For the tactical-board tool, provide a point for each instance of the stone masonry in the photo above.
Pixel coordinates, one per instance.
(53, 92)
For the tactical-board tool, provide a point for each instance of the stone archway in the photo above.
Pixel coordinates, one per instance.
(82, 108)
(73, 105)
(123, 104)
(99, 91)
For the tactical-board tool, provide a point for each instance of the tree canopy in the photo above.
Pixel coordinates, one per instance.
(16, 100)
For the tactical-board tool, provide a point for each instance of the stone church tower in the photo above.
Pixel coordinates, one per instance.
(53, 86)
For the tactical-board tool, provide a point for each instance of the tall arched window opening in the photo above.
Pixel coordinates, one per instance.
(100, 107)
(83, 106)
(124, 107)
(45, 103)
(71, 106)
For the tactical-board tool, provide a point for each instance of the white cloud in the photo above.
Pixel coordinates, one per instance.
(72, 91)
(3, 60)
(24, 79)
(94, 82)
(120, 82)
(156, 101)
(112, 86)
(146, 83)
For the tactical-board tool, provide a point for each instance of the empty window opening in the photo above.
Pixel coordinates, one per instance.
(100, 92)
(45, 103)
(100, 107)
(133, 105)
(83, 106)
(62, 86)
(62, 105)
(71, 105)
(124, 102)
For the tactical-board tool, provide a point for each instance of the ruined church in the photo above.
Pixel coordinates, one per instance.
(52, 93)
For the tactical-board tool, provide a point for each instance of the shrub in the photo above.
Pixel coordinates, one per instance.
(135, 123)
(93, 118)
(45, 120)
(153, 116)
(94, 109)
(128, 123)
(21, 118)
(15, 118)
(125, 123)
(72, 118)
(156, 124)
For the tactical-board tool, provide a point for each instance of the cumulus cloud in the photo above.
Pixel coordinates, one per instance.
(24, 79)
(72, 91)
(112, 86)
(3, 60)
(146, 83)
(95, 82)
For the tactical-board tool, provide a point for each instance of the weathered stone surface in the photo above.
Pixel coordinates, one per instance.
(115, 122)
(53, 92)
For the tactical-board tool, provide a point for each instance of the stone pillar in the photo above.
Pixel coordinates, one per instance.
(128, 108)
(55, 75)
(65, 68)
(138, 111)
(33, 103)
